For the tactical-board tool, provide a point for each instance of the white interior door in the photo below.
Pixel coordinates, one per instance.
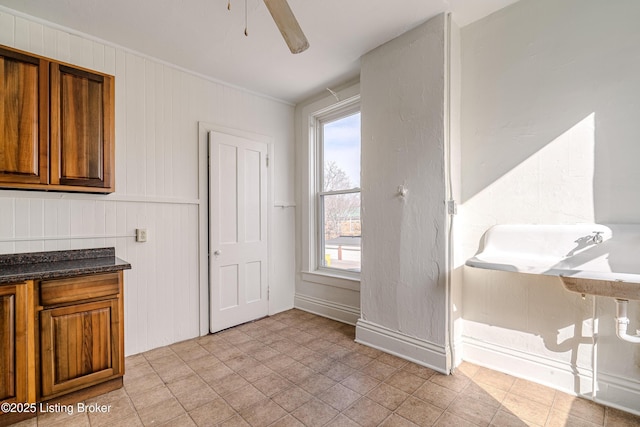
(238, 230)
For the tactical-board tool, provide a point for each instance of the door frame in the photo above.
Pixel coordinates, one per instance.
(203, 212)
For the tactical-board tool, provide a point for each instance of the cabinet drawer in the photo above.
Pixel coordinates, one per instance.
(61, 291)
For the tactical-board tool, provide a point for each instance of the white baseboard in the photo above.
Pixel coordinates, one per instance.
(332, 310)
(618, 392)
(611, 390)
(554, 373)
(410, 348)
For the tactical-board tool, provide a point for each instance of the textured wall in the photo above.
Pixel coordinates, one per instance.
(158, 161)
(403, 140)
(550, 135)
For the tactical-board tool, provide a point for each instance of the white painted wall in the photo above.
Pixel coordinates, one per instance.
(404, 264)
(160, 161)
(550, 135)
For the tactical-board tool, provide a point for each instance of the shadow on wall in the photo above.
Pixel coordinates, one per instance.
(563, 63)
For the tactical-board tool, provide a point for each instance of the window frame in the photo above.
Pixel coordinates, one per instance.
(342, 110)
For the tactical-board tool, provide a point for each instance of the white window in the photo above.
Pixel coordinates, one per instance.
(337, 199)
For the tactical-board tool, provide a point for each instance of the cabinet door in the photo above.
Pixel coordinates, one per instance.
(82, 146)
(80, 346)
(23, 118)
(13, 344)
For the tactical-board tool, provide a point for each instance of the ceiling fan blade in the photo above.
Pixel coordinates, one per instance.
(288, 25)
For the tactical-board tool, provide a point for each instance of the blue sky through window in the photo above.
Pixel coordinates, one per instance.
(342, 146)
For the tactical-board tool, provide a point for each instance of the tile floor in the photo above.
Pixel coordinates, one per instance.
(298, 369)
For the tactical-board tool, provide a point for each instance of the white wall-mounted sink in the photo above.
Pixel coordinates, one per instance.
(593, 259)
(605, 288)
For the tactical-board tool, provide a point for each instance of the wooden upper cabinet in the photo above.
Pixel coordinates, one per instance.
(56, 125)
(23, 118)
(81, 128)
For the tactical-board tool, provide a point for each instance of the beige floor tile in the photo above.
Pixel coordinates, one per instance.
(120, 408)
(244, 397)
(192, 392)
(485, 393)
(472, 410)
(367, 413)
(296, 372)
(212, 413)
(450, 420)
(454, 382)
(272, 384)
(468, 369)
(339, 397)
(161, 412)
(617, 418)
(419, 411)
(191, 353)
(378, 370)
(356, 360)
(421, 371)
(360, 383)
(405, 381)
(183, 420)
(581, 408)
(526, 409)
(563, 419)
(263, 413)
(288, 421)
(254, 373)
(292, 398)
(228, 385)
(316, 383)
(204, 363)
(338, 371)
(533, 391)
(151, 397)
(63, 419)
(235, 421)
(494, 379)
(314, 413)
(387, 396)
(395, 420)
(279, 361)
(507, 419)
(295, 369)
(392, 360)
(436, 394)
(342, 421)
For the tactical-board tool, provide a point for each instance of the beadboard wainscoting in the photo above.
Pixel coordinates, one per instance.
(159, 157)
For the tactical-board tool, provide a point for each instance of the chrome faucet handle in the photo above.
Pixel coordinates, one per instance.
(597, 238)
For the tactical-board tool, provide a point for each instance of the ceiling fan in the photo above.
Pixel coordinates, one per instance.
(288, 25)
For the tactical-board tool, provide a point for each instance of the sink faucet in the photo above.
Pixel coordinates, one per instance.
(597, 238)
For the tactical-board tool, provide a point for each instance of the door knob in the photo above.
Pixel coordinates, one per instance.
(217, 252)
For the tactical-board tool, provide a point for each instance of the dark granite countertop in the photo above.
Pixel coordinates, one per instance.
(56, 264)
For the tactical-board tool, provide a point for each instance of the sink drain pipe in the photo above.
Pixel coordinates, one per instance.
(623, 321)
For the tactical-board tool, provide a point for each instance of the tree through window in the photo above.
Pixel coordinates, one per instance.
(339, 227)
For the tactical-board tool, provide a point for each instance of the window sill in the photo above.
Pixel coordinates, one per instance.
(332, 279)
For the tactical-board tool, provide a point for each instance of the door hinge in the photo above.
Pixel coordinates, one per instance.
(267, 157)
(268, 293)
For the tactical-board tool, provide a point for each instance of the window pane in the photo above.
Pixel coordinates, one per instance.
(341, 238)
(341, 153)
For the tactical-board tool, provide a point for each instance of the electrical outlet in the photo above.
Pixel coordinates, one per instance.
(141, 234)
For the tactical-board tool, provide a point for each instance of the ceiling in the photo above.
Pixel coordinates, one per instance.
(206, 38)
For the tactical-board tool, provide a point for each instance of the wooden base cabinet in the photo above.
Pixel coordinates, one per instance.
(81, 335)
(61, 341)
(13, 344)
